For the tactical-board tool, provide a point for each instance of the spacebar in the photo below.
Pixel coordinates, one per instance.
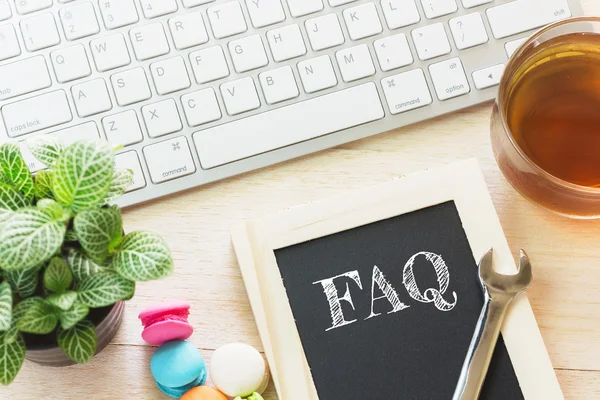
(288, 125)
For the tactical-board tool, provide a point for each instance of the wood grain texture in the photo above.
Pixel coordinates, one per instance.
(565, 253)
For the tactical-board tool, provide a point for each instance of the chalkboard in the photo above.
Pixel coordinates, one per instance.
(415, 352)
(374, 294)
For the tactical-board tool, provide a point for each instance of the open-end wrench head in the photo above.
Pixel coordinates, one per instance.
(509, 284)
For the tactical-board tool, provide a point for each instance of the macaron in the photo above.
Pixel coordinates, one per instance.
(166, 322)
(239, 370)
(177, 366)
(203, 393)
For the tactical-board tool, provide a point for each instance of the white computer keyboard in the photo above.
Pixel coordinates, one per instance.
(200, 90)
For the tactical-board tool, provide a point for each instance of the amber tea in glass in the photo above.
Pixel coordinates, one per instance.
(546, 121)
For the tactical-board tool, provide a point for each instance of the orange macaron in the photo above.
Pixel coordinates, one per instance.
(203, 393)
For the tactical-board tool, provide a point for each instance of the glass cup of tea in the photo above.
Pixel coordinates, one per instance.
(545, 126)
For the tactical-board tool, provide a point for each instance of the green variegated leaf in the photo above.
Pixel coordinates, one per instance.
(121, 180)
(53, 209)
(82, 175)
(40, 318)
(81, 266)
(57, 276)
(10, 335)
(69, 318)
(64, 301)
(45, 148)
(70, 236)
(99, 231)
(29, 237)
(12, 355)
(15, 169)
(43, 184)
(10, 200)
(6, 306)
(18, 311)
(143, 256)
(79, 342)
(105, 289)
(24, 281)
(4, 179)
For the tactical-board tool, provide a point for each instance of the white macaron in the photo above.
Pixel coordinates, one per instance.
(237, 369)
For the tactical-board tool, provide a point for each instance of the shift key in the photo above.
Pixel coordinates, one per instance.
(36, 113)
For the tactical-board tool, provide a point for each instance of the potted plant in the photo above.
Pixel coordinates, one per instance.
(65, 264)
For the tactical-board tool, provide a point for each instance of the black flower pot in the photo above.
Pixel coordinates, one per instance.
(44, 349)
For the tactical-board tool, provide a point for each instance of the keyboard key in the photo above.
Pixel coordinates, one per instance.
(438, 8)
(468, 31)
(474, 3)
(170, 75)
(301, 121)
(188, 30)
(227, 19)
(431, 41)
(87, 131)
(248, 53)
(355, 63)
(23, 76)
(9, 44)
(29, 6)
(149, 41)
(317, 74)
(286, 43)
(130, 160)
(118, 13)
(393, 52)
(39, 32)
(449, 79)
(36, 113)
(265, 12)
(209, 64)
(91, 98)
(488, 77)
(5, 12)
(169, 160)
(131, 86)
(32, 163)
(240, 96)
(362, 21)
(298, 8)
(162, 118)
(201, 107)
(335, 3)
(324, 32)
(70, 63)
(157, 8)
(400, 13)
(110, 52)
(279, 85)
(513, 45)
(194, 3)
(122, 129)
(406, 91)
(523, 15)
(79, 21)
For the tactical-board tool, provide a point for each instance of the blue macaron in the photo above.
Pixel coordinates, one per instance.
(177, 367)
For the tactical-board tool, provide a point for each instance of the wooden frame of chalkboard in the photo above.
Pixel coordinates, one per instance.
(256, 242)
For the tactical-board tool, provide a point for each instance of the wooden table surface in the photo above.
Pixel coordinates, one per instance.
(566, 256)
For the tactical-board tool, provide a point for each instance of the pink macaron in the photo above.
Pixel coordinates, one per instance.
(166, 322)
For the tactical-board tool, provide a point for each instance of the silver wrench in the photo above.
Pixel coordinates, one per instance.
(498, 290)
